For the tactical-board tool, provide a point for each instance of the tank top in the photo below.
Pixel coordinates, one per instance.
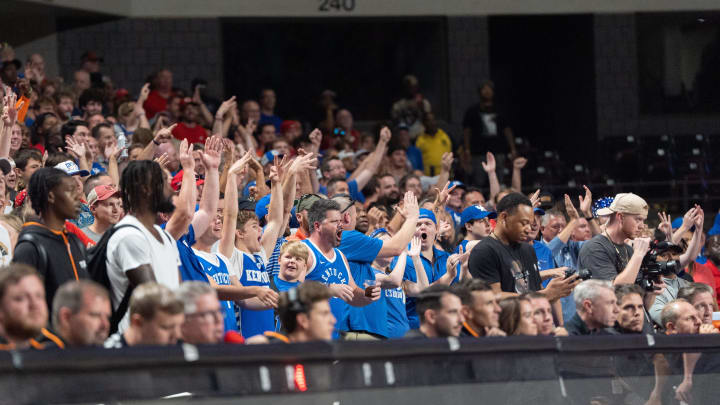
(253, 274)
(219, 273)
(330, 271)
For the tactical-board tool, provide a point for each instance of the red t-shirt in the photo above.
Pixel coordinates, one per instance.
(196, 134)
(154, 104)
(709, 274)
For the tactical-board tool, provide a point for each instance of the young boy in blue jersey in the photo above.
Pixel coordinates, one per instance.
(395, 288)
(475, 220)
(329, 266)
(433, 260)
(293, 265)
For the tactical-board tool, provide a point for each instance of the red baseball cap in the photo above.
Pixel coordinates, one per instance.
(102, 193)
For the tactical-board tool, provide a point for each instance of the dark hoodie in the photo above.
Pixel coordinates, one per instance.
(63, 259)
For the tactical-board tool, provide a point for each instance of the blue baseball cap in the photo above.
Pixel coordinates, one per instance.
(538, 211)
(246, 190)
(457, 184)
(268, 157)
(474, 212)
(427, 214)
(261, 207)
(677, 222)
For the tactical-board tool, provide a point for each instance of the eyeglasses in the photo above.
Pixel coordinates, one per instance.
(215, 314)
(347, 196)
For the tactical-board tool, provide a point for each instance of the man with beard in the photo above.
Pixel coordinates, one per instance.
(360, 251)
(388, 189)
(328, 265)
(606, 254)
(57, 254)
(480, 309)
(23, 311)
(143, 251)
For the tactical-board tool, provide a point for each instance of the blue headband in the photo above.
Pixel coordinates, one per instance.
(427, 214)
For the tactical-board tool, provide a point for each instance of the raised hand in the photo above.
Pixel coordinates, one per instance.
(111, 150)
(303, 162)
(164, 134)
(665, 224)
(451, 265)
(410, 206)
(415, 247)
(274, 174)
(689, 218)
(185, 155)
(699, 219)
(519, 163)
(74, 148)
(443, 227)
(226, 106)
(9, 115)
(374, 217)
(570, 208)
(385, 135)
(586, 202)
(241, 165)
(316, 138)
(247, 130)
(444, 194)
(535, 198)
(446, 161)
(162, 160)
(144, 93)
(211, 153)
(489, 164)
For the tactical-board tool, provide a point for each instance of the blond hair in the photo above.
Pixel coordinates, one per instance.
(297, 249)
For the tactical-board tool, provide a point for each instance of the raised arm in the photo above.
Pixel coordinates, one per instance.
(586, 211)
(375, 158)
(518, 164)
(178, 224)
(399, 241)
(9, 117)
(275, 211)
(445, 167)
(243, 135)
(112, 153)
(490, 166)
(687, 223)
(227, 239)
(567, 232)
(211, 189)
(695, 245)
(138, 110)
(414, 289)
(162, 135)
(220, 116)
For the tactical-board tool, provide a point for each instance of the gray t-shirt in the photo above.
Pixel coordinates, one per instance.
(670, 293)
(92, 235)
(604, 258)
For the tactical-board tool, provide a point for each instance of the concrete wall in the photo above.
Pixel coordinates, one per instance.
(134, 48)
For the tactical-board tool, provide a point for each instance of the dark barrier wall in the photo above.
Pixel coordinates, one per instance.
(607, 370)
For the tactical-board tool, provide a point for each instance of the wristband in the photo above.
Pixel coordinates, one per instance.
(156, 142)
(590, 218)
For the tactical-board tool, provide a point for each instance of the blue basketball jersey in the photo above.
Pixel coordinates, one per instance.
(330, 271)
(282, 285)
(253, 274)
(219, 273)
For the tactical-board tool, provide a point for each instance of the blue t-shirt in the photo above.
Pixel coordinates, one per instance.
(282, 285)
(190, 267)
(355, 193)
(97, 168)
(216, 266)
(545, 259)
(330, 271)
(253, 274)
(397, 320)
(455, 216)
(270, 119)
(360, 251)
(434, 270)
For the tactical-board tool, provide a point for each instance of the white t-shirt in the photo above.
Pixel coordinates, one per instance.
(129, 248)
(236, 261)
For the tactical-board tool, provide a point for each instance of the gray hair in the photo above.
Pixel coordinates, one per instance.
(671, 312)
(549, 215)
(70, 295)
(689, 292)
(190, 291)
(590, 290)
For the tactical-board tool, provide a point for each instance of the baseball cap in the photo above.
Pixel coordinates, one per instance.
(306, 201)
(427, 214)
(101, 193)
(71, 168)
(246, 205)
(457, 184)
(474, 212)
(269, 157)
(261, 206)
(626, 203)
(176, 181)
(538, 211)
(601, 203)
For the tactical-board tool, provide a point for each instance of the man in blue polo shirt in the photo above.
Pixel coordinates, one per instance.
(433, 259)
(455, 201)
(361, 250)
(475, 220)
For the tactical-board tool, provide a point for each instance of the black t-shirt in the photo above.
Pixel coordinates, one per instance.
(487, 127)
(513, 266)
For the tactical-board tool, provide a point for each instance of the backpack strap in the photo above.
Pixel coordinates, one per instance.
(30, 238)
(122, 308)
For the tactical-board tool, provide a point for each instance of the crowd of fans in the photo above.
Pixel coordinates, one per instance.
(175, 217)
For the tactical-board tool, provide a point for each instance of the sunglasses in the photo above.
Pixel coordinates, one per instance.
(352, 201)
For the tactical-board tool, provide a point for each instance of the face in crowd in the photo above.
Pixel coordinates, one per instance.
(426, 230)
(631, 313)
(205, 325)
(517, 222)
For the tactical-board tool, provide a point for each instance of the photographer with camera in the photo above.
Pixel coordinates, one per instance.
(668, 262)
(607, 255)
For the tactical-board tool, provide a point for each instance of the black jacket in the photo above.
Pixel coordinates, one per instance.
(50, 253)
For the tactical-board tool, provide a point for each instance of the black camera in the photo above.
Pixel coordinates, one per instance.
(583, 274)
(651, 270)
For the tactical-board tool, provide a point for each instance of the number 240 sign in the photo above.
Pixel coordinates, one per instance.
(336, 5)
